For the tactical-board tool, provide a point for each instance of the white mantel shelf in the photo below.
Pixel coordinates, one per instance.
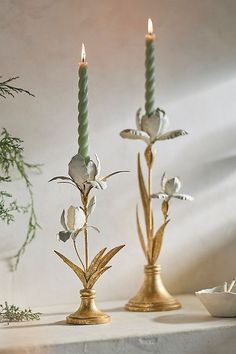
(187, 331)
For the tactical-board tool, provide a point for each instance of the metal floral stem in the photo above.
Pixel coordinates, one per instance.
(85, 202)
(77, 252)
(150, 226)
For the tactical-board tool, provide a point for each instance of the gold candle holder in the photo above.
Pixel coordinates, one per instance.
(152, 128)
(85, 176)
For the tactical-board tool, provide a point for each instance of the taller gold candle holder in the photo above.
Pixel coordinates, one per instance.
(151, 128)
(153, 295)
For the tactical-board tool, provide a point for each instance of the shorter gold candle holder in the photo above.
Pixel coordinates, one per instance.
(88, 313)
(85, 176)
(152, 295)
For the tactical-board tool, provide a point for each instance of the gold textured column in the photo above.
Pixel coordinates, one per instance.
(88, 313)
(153, 295)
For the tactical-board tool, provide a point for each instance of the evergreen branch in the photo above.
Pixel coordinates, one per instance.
(12, 313)
(11, 156)
(9, 90)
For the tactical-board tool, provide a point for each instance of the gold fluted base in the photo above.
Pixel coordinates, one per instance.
(88, 313)
(152, 296)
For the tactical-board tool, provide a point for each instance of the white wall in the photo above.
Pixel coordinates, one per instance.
(40, 42)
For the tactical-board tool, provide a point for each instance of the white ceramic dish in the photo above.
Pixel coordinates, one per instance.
(218, 302)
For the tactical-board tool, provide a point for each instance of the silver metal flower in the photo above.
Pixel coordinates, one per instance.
(151, 128)
(82, 173)
(170, 189)
(85, 175)
(73, 222)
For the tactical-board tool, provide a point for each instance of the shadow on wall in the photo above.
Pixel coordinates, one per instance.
(212, 159)
(212, 268)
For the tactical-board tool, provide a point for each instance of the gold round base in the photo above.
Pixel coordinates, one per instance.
(153, 306)
(83, 320)
(152, 295)
(88, 313)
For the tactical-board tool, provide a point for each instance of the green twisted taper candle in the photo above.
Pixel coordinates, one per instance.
(150, 70)
(83, 107)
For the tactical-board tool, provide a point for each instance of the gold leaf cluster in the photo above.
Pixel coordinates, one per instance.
(96, 268)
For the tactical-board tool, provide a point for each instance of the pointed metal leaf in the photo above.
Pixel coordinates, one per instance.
(140, 234)
(95, 262)
(107, 257)
(157, 242)
(78, 271)
(60, 177)
(112, 174)
(94, 277)
(144, 195)
(91, 205)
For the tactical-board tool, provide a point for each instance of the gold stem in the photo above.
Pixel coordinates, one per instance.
(86, 247)
(76, 251)
(85, 202)
(150, 226)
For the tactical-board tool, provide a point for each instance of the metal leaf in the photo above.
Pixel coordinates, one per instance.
(78, 271)
(60, 177)
(144, 195)
(95, 262)
(172, 134)
(94, 277)
(95, 228)
(112, 174)
(140, 234)
(157, 242)
(107, 257)
(91, 205)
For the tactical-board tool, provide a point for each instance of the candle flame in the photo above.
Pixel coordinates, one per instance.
(150, 26)
(83, 53)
